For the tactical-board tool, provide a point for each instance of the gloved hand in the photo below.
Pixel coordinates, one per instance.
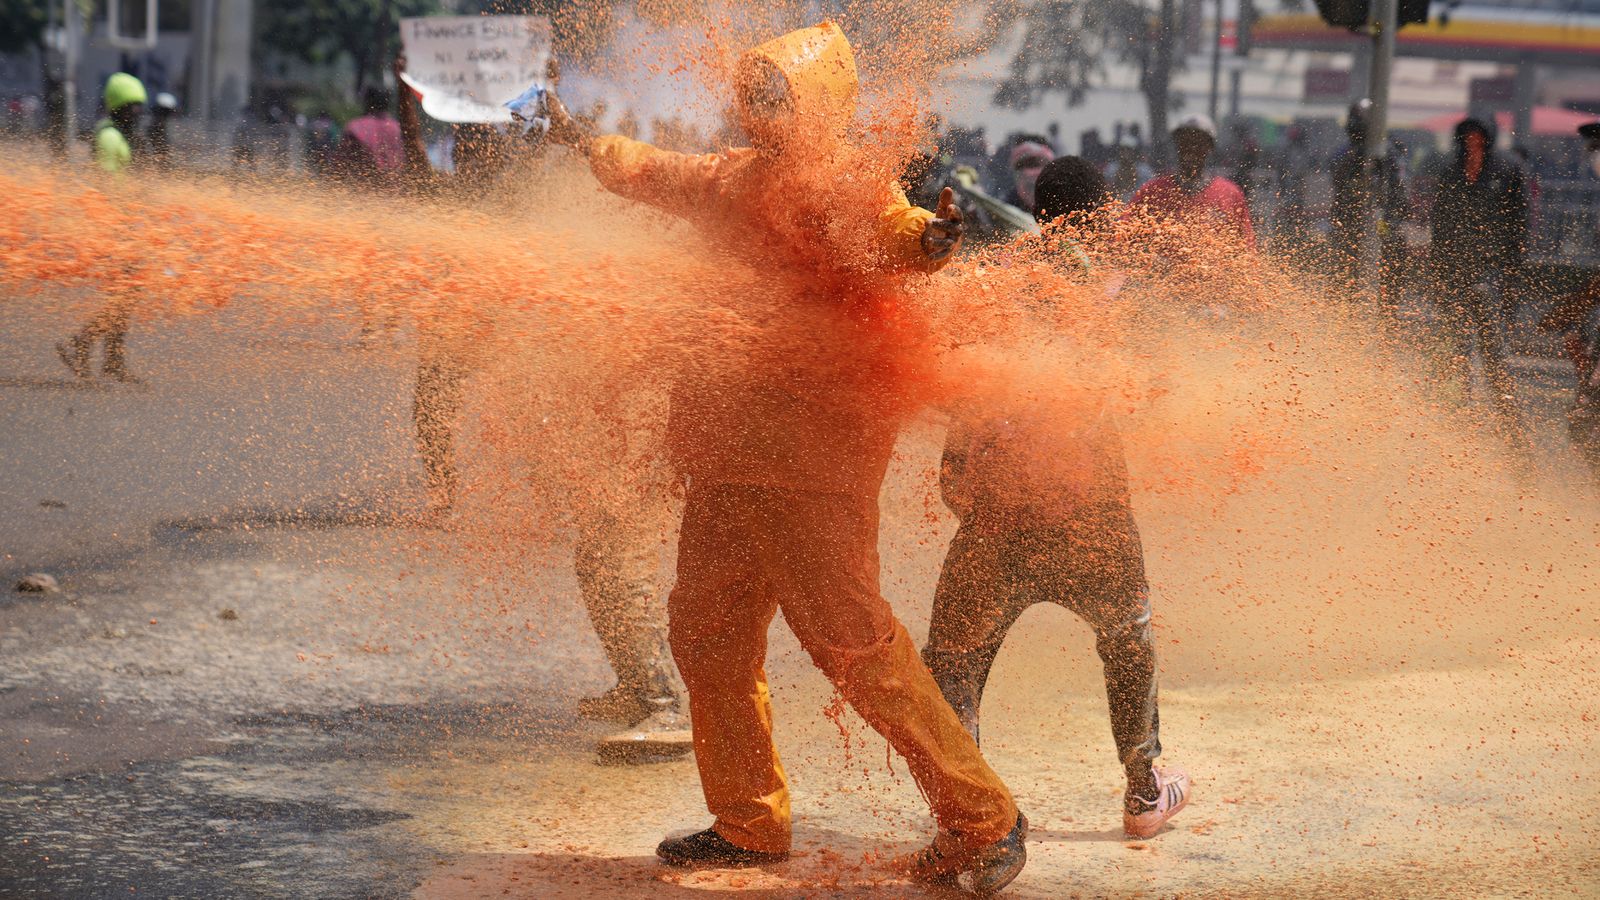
(943, 235)
(564, 129)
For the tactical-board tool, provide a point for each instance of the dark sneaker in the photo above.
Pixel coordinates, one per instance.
(75, 355)
(619, 704)
(664, 735)
(707, 849)
(980, 872)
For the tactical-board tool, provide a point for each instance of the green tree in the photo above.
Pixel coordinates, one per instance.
(22, 24)
(22, 27)
(323, 31)
(1066, 44)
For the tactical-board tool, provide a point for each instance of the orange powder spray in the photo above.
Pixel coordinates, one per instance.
(1314, 503)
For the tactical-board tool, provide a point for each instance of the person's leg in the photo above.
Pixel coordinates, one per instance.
(75, 353)
(1451, 302)
(1392, 271)
(436, 404)
(112, 326)
(974, 606)
(718, 616)
(1095, 568)
(109, 323)
(1486, 326)
(617, 561)
(822, 554)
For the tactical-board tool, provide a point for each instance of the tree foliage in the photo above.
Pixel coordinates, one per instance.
(1066, 45)
(22, 24)
(323, 31)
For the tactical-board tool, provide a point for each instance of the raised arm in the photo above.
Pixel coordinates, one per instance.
(416, 149)
(677, 183)
(915, 238)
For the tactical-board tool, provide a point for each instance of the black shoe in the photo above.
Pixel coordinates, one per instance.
(981, 872)
(710, 850)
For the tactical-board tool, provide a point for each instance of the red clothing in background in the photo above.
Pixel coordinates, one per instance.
(371, 148)
(1220, 201)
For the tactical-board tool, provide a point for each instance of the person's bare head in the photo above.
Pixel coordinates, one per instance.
(376, 100)
(1193, 140)
(1590, 132)
(1072, 188)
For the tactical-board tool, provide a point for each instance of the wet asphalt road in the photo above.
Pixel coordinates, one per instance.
(167, 730)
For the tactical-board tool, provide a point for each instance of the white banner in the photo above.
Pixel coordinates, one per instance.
(466, 67)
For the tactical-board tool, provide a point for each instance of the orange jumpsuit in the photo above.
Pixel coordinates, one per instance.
(784, 451)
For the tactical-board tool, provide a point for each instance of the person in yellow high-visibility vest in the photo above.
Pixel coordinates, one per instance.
(117, 143)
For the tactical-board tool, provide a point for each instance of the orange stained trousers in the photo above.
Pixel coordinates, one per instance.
(744, 553)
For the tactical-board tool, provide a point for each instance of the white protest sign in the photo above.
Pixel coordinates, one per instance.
(466, 67)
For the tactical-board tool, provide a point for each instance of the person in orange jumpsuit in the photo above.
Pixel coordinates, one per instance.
(784, 450)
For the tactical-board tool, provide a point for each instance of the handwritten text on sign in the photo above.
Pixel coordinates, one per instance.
(465, 67)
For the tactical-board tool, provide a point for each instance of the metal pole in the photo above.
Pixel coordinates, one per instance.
(1216, 60)
(1383, 24)
(1243, 23)
(202, 44)
(69, 76)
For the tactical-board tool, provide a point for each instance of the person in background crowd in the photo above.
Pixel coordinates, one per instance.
(1027, 158)
(1128, 171)
(1590, 132)
(1246, 159)
(159, 135)
(371, 154)
(1041, 491)
(261, 142)
(1523, 157)
(1576, 317)
(119, 148)
(1191, 195)
(948, 163)
(1479, 241)
(322, 137)
(1350, 216)
(371, 151)
(1292, 232)
(118, 143)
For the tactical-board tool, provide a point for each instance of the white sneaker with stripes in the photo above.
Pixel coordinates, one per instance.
(1142, 817)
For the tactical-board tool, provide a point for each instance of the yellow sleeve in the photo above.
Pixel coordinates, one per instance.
(675, 182)
(900, 228)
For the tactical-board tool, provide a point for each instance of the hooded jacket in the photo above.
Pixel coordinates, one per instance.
(1479, 226)
(113, 150)
(813, 405)
(722, 192)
